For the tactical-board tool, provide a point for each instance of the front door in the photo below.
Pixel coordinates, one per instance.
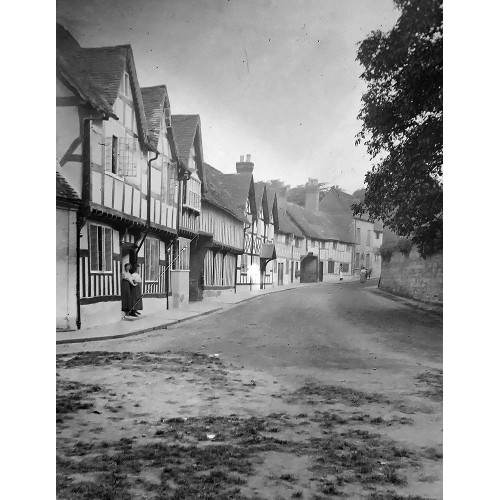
(280, 273)
(320, 277)
(291, 272)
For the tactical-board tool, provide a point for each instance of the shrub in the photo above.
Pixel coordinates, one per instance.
(404, 245)
(386, 250)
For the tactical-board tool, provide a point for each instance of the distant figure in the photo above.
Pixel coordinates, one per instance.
(362, 274)
(136, 291)
(369, 274)
(341, 273)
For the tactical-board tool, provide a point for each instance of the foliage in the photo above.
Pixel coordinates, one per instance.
(297, 194)
(402, 116)
(404, 245)
(386, 250)
(359, 194)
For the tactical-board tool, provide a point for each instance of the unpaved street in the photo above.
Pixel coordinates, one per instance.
(309, 393)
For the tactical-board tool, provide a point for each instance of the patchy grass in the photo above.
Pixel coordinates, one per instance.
(331, 394)
(72, 396)
(392, 495)
(430, 384)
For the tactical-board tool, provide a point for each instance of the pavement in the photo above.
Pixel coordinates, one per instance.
(165, 319)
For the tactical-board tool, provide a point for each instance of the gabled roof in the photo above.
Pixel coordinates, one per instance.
(155, 99)
(285, 224)
(72, 71)
(336, 202)
(261, 199)
(241, 188)
(218, 192)
(64, 189)
(185, 128)
(320, 226)
(105, 66)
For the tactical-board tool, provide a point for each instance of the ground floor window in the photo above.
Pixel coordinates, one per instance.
(101, 248)
(344, 267)
(152, 261)
(356, 261)
(244, 265)
(331, 266)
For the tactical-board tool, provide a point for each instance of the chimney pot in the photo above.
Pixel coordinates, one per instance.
(249, 157)
(242, 158)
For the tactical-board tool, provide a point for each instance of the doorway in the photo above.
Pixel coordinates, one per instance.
(320, 275)
(280, 273)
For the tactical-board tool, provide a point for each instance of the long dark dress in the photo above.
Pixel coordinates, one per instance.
(126, 295)
(136, 292)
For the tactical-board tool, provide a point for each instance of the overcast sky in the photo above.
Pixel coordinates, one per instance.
(277, 79)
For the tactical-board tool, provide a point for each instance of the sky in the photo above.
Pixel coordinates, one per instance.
(276, 79)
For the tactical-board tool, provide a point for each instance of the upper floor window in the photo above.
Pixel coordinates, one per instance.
(313, 243)
(101, 248)
(125, 85)
(358, 235)
(297, 242)
(121, 155)
(323, 244)
(368, 237)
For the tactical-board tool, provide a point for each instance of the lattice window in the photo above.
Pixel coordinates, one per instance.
(121, 155)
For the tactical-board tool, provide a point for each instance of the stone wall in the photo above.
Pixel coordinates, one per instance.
(414, 277)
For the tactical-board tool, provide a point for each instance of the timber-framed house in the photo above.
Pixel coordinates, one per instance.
(187, 134)
(223, 224)
(264, 237)
(290, 245)
(104, 150)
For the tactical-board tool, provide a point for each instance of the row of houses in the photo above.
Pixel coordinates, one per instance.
(132, 187)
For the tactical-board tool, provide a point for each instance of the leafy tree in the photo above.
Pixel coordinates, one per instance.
(359, 194)
(402, 116)
(276, 184)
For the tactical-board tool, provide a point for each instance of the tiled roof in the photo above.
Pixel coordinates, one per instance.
(185, 127)
(105, 66)
(336, 202)
(73, 72)
(218, 192)
(261, 198)
(64, 189)
(319, 225)
(241, 188)
(153, 99)
(284, 223)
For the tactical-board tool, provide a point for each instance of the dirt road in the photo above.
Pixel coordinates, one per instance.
(312, 393)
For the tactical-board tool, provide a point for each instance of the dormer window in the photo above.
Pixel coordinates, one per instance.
(125, 87)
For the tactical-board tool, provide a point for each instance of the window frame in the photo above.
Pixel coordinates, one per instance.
(148, 268)
(101, 250)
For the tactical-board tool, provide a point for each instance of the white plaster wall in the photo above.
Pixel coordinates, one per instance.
(65, 269)
(180, 289)
(101, 313)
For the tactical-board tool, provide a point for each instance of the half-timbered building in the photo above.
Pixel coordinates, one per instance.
(366, 234)
(167, 175)
(328, 244)
(67, 242)
(265, 233)
(223, 224)
(290, 244)
(105, 152)
(187, 134)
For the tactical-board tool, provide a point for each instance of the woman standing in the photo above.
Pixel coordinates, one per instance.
(362, 274)
(127, 286)
(136, 291)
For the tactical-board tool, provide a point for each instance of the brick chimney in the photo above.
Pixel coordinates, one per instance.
(312, 194)
(244, 167)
